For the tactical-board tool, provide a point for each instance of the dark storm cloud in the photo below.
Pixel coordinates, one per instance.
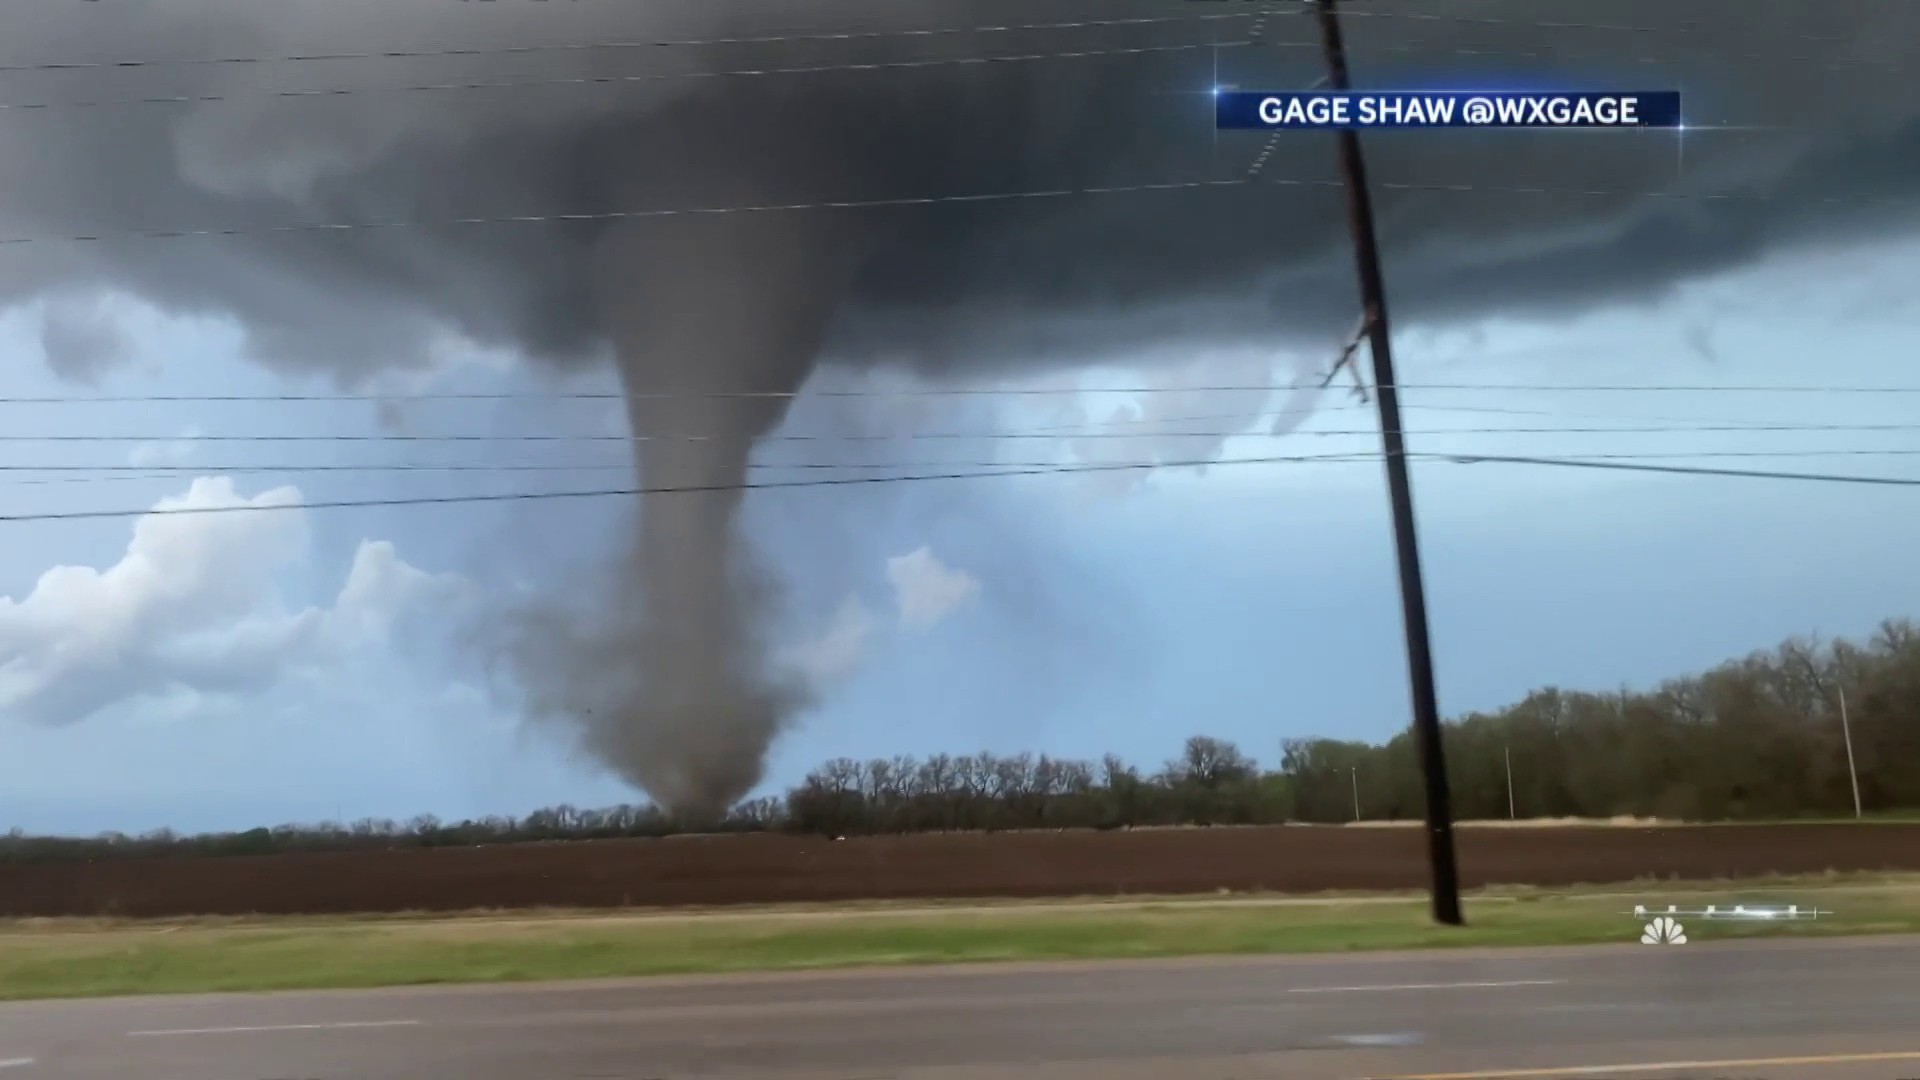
(750, 301)
(80, 338)
(1060, 276)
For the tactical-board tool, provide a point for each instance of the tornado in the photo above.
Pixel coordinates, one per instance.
(713, 328)
(524, 213)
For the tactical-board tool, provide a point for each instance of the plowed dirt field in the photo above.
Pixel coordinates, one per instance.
(770, 869)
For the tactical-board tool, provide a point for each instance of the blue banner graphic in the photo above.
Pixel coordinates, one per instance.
(1243, 110)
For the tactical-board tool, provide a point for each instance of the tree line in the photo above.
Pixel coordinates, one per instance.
(1763, 737)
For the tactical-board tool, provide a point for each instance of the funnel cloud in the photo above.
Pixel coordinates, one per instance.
(673, 685)
(670, 683)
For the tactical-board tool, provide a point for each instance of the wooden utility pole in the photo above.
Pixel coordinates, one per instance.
(1853, 774)
(1512, 814)
(1413, 601)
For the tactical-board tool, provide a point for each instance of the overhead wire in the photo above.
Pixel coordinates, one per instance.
(1683, 29)
(1498, 410)
(67, 473)
(173, 472)
(902, 202)
(170, 233)
(1019, 468)
(1589, 462)
(690, 489)
(576, 437)
(1684, 388)
(1907, 202)
(1138, 426)
(78, 474)
(433, 51)
(645, 77)
(824, 36)
(537, 82)
(411, 397)
(858, 481)
(624, 215)
(455, 51)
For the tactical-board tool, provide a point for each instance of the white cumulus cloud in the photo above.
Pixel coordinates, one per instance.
(927, 589)
(195, 607)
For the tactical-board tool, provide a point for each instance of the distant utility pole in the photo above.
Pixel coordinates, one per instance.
(1512, 815)
(1356, 792)
(1413, 601)
(1853, 774)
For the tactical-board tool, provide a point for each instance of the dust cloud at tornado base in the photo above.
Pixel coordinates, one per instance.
(671, 684)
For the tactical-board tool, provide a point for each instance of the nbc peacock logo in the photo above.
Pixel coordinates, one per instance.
(1663, 931)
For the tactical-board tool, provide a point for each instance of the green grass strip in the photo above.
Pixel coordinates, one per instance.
(77, 959)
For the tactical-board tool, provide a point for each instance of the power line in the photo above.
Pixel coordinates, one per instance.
(933, 391)
(1500, 410)
(85, 474)
(851, 481)
(1649, 31)
(1241, 416)
(923, 33)
(95, 473)
(1815, 62)
(1065, 431)
(648, 77)
(1618, 193)
(1692, 422)
(529, 496)
(1554, 24)
(1689, 455)
(915, 201)
(626, 215)
(319, 92)
(430, 51)
(1683, 470)
(160, 472)
(538, 437)
(454, 51)
(1697, 388)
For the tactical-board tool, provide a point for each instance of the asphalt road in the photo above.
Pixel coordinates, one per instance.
(1828, 1009)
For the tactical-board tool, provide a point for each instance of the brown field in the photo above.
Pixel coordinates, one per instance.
(722, 870)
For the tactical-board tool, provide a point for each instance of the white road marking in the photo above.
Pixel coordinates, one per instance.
(1425, 986)
(1669, 1066)
(15, 1063)
(1407, 1038)
(276, 1027)
(1602, 1007)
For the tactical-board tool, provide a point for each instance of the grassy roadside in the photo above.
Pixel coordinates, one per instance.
(77, 959)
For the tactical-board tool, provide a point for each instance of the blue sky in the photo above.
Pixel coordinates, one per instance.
(296, 665)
